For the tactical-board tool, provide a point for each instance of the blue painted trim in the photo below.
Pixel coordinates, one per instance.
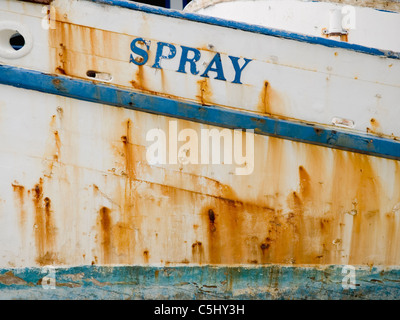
(193, 282)
(387, 11)
(250, 28)
(213, 115)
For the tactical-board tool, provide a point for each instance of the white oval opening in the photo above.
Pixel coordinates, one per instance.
(102, 76)
(15, 40)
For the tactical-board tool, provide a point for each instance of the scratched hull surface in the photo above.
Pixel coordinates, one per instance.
(77, 191)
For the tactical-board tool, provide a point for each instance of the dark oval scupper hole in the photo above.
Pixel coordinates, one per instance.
(17, 41)
(91, 74)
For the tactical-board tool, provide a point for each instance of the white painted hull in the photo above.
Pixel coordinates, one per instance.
(76, 186)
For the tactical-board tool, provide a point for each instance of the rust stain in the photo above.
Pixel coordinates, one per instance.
(204, 91)
(123, 237)
(264, 104)
(118, 237)
(164, 82)
(270, 101)
(74, 49)
(197, 252)
(146, 256)
(105, 232)
(305, 184)
(58, 145)
(375, 127)
(224, 221)
(63, 58)
(139, 81)
(19, 198)
(45, 230)
(128, 151)
(303, 225)
(306, 225)
(264, 247)
(367, 203)
(211, 217)
(53, 146)
(214, 237)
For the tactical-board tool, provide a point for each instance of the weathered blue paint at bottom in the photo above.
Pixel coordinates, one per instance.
(199, 282)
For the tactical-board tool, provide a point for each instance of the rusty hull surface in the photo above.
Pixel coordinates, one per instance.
(78, 194)
(82, 193)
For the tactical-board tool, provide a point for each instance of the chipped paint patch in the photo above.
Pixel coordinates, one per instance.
(201, 282)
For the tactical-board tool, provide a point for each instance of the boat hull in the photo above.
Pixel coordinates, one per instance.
(87, 210)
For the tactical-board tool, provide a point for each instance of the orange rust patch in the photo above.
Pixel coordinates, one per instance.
(58, 37)
(344, 37)
(375, 127)
(74, 49)
(123, 238)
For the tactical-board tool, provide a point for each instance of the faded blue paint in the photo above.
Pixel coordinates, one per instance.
(192, 61)
(200, 282)
(215, 65)
(160, 55)
(250, 28)
(213, 115)
(139, 51)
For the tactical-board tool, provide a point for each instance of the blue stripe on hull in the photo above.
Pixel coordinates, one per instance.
(199, 282)
(213, 115)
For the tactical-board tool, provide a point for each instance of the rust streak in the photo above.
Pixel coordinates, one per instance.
(204, 91)
(105, 231)
(45, 231)
(128, 151)
(197, 252)
(19, 197)
(146, 256)
(264, 104)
